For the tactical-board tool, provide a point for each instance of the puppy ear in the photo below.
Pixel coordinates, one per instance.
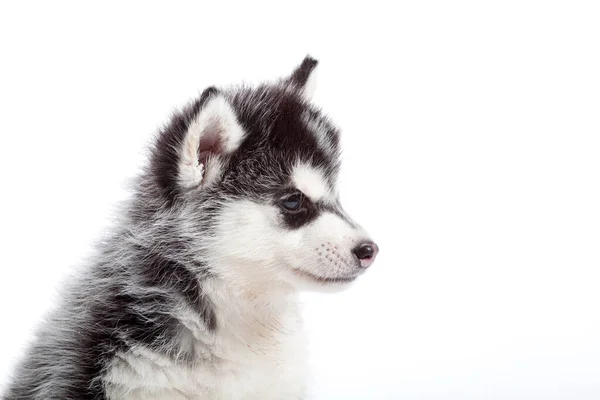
(190, 151)
(213, 132)
(304, 77)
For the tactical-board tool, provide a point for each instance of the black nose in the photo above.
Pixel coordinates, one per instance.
(366, 253)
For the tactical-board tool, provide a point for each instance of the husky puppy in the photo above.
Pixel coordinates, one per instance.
(194, 293)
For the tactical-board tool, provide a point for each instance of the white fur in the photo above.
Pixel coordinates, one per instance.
(258, 354)
(257, 254)
(310, 181)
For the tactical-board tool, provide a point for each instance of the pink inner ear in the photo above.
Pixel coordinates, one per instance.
(210, 143)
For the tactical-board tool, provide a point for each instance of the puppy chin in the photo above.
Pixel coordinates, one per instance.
(307, 281)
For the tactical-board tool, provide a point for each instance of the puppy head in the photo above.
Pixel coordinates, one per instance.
(252, 174)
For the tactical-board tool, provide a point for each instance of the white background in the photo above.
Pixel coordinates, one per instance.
(471, 136)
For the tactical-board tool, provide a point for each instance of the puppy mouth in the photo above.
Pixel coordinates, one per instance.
(324, 279)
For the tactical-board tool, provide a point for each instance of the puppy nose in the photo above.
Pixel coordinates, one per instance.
(366, 253)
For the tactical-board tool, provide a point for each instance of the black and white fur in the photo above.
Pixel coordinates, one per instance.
(194, 293)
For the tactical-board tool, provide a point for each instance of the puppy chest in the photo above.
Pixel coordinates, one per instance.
(240, 371)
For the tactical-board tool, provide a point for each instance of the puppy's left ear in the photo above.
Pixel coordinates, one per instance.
(214, 132)
(304, 77)
(191, 150)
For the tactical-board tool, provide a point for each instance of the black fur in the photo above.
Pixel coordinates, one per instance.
(300, 76)
(123, 315)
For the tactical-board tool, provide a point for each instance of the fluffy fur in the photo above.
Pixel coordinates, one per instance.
(194, 293)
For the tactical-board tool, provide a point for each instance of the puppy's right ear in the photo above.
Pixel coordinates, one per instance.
(303, 78)
(189, 151)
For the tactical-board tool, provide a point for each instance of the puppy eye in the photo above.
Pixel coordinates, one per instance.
(293, 202)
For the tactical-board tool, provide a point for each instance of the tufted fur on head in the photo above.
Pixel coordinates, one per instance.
(193, 294)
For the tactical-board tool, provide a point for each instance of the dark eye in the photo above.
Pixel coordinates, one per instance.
(292, 202)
